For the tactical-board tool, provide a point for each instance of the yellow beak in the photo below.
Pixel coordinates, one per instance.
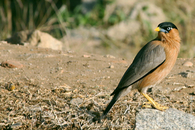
(157, 29)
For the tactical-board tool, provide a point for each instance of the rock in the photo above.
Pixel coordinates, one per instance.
(140, 15)
(62, 89)
(142, 11)
(111, 66)
(177, 89)
(109, 56)
(189, 74)
(76, 101)
(188, 64)
(125, 29)
(16, 125)
(87, 56)
(11, 64)
(189, 85)
(35, 38)
(171, 119)
(82, 36)
(83, 33)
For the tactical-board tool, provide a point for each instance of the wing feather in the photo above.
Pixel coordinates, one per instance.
(147, 59)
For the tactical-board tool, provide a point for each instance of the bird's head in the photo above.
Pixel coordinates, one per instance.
(165, 27)
(168, 31)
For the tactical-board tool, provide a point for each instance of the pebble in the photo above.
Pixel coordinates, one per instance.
(111, 66)
(11, 64)
(62, 89)
(86, 56)
(67, 94)
(188, 64)
(110, 56)
(16, 125)
(67, 88)
(76, 101)
(188, 74)
(190, 86)
(175, 83)
(178, 88)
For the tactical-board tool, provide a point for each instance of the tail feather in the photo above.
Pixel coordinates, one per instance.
(114, 99)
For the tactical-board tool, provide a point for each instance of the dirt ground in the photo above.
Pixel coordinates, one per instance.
(70, 90)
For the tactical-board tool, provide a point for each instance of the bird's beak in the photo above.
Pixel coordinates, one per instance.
(157, 29)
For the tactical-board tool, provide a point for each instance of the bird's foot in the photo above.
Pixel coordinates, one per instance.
(147, 105)
(153, 103)
(159, 106)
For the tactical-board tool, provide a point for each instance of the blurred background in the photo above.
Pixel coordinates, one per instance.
(116, 27)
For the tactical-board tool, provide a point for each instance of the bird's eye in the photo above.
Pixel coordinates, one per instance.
(169, 28)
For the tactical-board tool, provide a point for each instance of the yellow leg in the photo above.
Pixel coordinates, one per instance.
(153, 103)
(147, 105)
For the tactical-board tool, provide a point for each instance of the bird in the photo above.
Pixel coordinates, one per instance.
(150, 66)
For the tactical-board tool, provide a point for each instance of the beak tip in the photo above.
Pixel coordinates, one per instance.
(157, 29)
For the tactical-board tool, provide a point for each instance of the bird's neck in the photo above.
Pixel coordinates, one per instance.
(172, 39)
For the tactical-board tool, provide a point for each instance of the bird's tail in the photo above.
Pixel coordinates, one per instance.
(117, 95)
(114, 99)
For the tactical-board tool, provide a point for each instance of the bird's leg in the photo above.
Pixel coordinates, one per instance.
(153, 103)
(146, 105)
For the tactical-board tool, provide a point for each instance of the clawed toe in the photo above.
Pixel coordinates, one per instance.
(153, 103)
(160, 107)
(146, 105)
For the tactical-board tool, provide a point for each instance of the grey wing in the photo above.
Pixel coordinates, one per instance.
(147, 59)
